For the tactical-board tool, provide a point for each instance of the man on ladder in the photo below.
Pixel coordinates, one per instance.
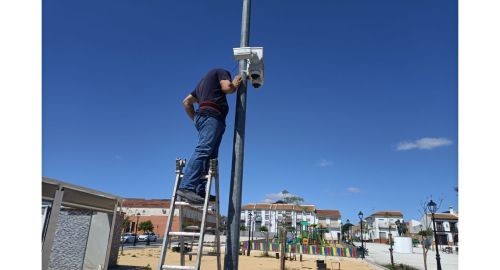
(210, 121)
(193, 186)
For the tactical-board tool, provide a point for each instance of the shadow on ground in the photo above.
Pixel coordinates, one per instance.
(129, 267)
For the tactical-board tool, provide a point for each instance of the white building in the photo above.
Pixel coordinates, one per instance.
(330, 219)
(446, 226)
(382, 223)
(413, 226)
(270, 214)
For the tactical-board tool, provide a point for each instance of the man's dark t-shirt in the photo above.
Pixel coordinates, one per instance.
(209, 94)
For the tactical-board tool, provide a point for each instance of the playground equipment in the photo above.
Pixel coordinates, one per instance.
(310, 234)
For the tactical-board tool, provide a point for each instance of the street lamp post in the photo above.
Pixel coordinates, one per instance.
(360, 215)
(350, 233)
(390, 242)
(249, 234)
(348, 230)
(252, 226)
(432, 206)
(136, 225)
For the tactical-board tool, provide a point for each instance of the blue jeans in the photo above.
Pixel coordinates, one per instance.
(210, 128)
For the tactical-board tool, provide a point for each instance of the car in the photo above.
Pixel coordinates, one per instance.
(128, 237)
(178, 248)
(144, 237)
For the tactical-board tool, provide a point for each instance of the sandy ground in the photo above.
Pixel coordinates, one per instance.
(135, 259)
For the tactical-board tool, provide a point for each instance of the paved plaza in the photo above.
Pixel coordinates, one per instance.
(379, 254)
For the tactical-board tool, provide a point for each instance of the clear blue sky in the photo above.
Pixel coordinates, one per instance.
(358, 110)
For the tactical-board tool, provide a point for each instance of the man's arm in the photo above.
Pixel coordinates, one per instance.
(188, 103)
(229, 87)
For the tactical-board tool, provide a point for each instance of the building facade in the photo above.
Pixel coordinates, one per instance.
(446, 227)
(156, 211)
(380, 224)
(271, 215)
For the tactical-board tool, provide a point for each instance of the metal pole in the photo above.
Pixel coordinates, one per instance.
(438, 258)
(249, 235)
(136, 223)
(234, 207)
(362, 247)
(390, 242)
(51, 227)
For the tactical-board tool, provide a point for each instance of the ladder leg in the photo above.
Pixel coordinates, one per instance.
(217, 220)
(203, 220)
(179, 165)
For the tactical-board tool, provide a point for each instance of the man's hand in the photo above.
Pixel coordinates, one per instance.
(188, 105)
(229, 87)
(237, 81)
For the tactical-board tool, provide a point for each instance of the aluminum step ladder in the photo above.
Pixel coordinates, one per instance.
(212, 175)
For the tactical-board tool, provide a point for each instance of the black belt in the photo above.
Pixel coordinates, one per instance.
(210, 105)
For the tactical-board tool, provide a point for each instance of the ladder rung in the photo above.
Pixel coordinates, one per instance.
(192, 228)
(173, 267)
(181, 203)
(203, 177)
(184, 233)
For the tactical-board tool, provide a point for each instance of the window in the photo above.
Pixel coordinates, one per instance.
(453, 227)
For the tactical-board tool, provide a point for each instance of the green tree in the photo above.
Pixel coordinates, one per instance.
(126, 223)
(146, 226)
(345, 230)
(291, 199)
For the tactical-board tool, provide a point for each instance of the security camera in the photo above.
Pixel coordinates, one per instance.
(257, 82)
(254, 65)
(255, 74)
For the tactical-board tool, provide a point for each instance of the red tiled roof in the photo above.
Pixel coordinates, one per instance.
(445, 216)
(143, 203)
(328, 213)
(388, 213)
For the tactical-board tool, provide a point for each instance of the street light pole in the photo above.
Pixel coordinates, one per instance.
(252, 225)
(432, 206)
(136, 224)
(234, 205)
(348, 223)
(390, 242)
(360, 215)
(249, 234)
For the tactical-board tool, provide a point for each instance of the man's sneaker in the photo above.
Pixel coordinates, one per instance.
(190, 196)
(211, 198)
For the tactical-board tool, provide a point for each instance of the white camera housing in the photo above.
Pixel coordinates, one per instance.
(255, 63)
(242, 53)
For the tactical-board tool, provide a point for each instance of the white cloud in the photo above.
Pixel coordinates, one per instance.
(424, 143)
(353, 190)
(324, 163)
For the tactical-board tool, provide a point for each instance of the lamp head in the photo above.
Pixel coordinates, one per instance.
(432, 206)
